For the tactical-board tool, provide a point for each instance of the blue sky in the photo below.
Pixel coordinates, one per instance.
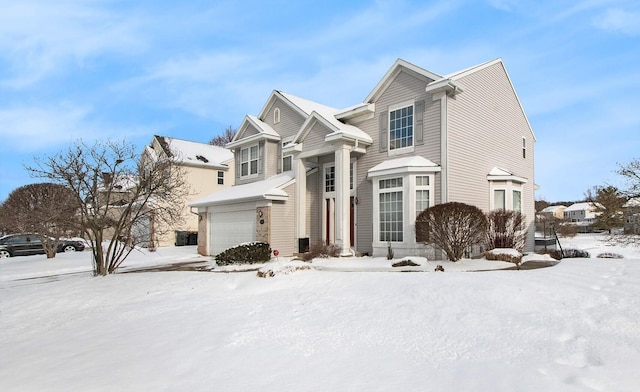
(104, 69)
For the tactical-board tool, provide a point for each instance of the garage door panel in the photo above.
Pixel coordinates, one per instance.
(231, 228)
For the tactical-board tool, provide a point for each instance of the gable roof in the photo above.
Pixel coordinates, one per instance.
(269, 189)
(192, 153)
(553, 208)
(264, 132)
(585, 206)
(398, 66)
(327, 116)
(456, 76)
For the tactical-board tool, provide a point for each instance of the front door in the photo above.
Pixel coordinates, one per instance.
(330, 218)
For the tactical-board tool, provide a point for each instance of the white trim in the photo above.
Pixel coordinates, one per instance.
(276, 115)
(248, 162)
(392, 108)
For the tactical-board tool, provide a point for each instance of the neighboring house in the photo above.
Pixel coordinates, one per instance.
(632, 216)
(580, 213)
(207, 168)
(553, 212)
(357, 177)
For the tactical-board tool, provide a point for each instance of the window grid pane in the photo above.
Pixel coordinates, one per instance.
(422, 201)
(329, 179)
(401, 128)
(498, 199)
(391, 222)
(517, 201)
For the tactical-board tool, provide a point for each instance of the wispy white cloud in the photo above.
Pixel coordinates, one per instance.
(38, 39)
(619, 21)
(31, 129)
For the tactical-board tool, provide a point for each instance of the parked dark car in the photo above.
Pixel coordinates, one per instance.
(29, 244)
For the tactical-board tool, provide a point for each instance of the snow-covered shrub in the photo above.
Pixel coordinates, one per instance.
(505, 230)
(451, 227)
(281, 268)
(508, 255)
(247, 253)
(608, 255)
(575, 253)
(321, 250)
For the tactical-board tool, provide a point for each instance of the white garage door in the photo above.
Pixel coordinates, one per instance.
(230, 228)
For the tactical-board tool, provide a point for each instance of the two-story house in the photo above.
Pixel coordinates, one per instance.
(632, 216)
(581, 213)
(207, 169)
(357, 177)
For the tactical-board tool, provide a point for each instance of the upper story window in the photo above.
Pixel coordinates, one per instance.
(249, 161)
(524, 147)
(220, 178)
(401, 127)
(276, 116)
(287, 163)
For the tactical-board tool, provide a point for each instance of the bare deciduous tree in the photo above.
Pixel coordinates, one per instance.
(505, 230)
(46, 209)
(122, 198)
(451, 227)
(631, 174)
(226, 137)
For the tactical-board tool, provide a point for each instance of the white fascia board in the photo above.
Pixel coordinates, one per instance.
(364, 110)
(252, 139)
(521, 180)
(403, 170)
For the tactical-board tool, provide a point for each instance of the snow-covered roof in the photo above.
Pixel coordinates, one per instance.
(585, 206)
(553, 208)
(328, 114)
(194, 153)
(265, 131)
(400, 165)
(633, 202)
(500, 174)
(269, 189)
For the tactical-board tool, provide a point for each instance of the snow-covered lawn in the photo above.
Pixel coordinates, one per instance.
(571, 327)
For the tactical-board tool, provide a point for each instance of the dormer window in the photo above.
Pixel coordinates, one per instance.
(276, 116)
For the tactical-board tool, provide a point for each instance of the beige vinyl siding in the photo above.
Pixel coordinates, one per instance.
(315, 137)
(485, 129)
(290, 119)
(283, 236)
(271, 157)
(403, 88)
(249, 131)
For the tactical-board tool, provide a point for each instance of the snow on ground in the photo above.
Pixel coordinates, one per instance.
(571, 327)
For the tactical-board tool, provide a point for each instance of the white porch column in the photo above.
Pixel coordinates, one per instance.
(343, 206)
(300, 172)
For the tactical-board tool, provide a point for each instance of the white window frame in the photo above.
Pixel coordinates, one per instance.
(524, 147)
(410, 211)
(249, 160)
(508, 187)
(422, 187)
(276, 115)
(287, 158)
(399, 182)
(394, 108)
